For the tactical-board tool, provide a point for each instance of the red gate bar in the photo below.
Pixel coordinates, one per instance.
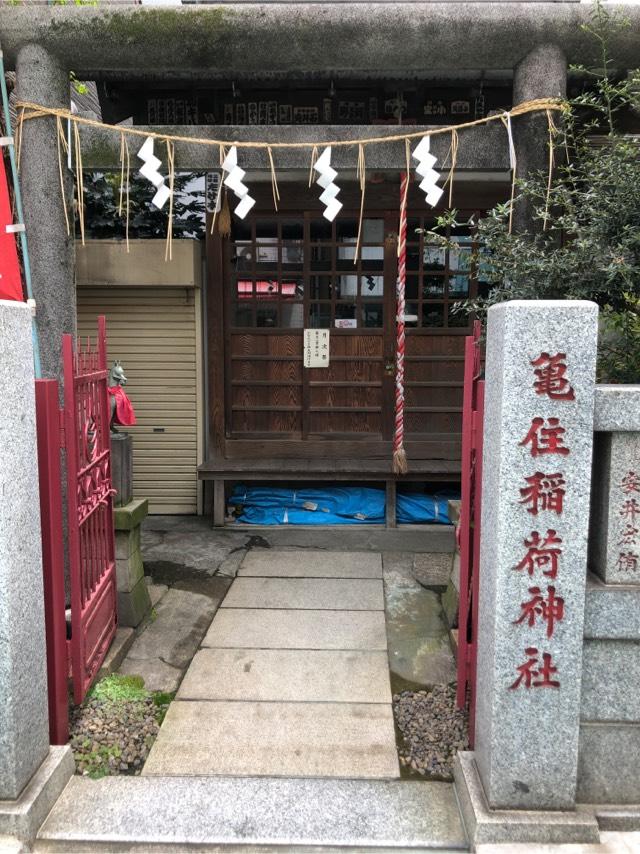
(469, 525)
(464, 532)
(49, 444)
(478, 419)
(89, 497)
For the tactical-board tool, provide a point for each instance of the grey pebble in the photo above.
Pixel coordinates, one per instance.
(433, 730)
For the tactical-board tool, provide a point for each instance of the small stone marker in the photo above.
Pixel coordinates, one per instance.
(538, 435)
(615, 547)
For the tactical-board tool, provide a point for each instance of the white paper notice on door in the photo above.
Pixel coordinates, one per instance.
(316, 348)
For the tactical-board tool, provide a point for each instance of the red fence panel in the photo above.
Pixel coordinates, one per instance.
(49, 445)
(469, 525)
(89, 496)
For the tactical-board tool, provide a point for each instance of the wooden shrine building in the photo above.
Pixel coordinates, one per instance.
(224, 395)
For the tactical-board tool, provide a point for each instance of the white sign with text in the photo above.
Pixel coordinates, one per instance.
(316, 348)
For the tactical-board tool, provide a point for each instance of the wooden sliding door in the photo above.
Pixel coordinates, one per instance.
(280, 274)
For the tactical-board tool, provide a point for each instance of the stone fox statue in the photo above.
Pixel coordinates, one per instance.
(121, 408)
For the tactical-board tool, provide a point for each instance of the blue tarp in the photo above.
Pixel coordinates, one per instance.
(334, 505)
(295, 516)
(360, 502)
(418, 507)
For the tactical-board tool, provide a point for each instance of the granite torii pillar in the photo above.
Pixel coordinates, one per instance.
(42, 79)
(32, 774)
(519, 784)
(542, 73)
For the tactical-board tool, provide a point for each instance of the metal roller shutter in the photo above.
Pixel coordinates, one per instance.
(154, 333)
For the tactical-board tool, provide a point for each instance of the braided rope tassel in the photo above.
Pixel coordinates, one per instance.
(399, 455)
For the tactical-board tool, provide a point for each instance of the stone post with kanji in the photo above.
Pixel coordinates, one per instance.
(538, 437)
(615, 507)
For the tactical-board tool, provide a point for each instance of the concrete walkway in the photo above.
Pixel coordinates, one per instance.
(292, 677)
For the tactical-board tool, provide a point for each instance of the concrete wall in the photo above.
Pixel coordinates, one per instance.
(106, 262)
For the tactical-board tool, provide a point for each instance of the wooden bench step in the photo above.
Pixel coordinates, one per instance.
(323, 469)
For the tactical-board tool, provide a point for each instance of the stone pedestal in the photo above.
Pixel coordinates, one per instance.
(31, 775)
(133, 596)
(122, 468)
(538, 436)
(21, 818)
(486, 826)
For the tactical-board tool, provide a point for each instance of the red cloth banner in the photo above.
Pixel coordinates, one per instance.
(10, 278)
(124, 409)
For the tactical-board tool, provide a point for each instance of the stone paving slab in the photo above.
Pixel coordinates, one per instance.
(418, 636)
(275, 739)
(156, 591)
(336, 594)
(155, 673)
(12, 845)
(203, 812)
(260, 628)
(182, 618)
(302, 563)
(610, 843)
(292, 675)
(170, 538)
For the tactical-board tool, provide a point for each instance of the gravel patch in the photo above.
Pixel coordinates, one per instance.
(432, 731)
(114, 736)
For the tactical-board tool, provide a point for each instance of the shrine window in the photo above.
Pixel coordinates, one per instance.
(439, 274)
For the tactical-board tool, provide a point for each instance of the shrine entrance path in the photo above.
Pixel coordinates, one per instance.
(292, 677)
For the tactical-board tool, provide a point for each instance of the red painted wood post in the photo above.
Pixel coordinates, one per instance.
(73, 539)
(49, 444)
(478, 422)
(464, 525)
(469, 525)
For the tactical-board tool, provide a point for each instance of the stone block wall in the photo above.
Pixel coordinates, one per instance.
(133, 595)
(609, 741)
(609, 747)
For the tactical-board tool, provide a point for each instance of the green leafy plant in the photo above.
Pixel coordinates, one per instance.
(102, 198)
(80, 87)
(619, 349)
(162, 700)
(583, 239)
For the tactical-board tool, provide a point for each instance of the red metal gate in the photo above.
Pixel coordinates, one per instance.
(90, 507)
(469, 526)
(50, 487)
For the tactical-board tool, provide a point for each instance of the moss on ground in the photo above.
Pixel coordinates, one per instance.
(119, 688)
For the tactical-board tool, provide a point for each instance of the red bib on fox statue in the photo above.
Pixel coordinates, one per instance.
(124, 414)
(10, 277)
